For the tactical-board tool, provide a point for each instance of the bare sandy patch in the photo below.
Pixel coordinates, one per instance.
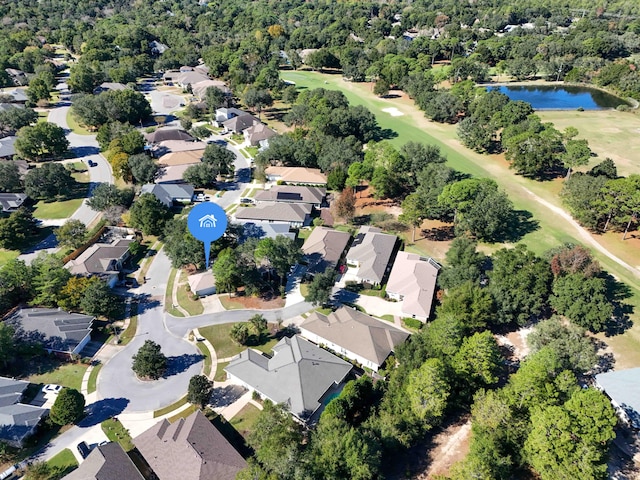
(393, 111)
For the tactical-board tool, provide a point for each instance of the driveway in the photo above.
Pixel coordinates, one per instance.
(117, 380)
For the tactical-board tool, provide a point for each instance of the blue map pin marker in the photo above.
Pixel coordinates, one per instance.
(207, 222)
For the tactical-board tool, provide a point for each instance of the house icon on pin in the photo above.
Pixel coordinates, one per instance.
(208, 221)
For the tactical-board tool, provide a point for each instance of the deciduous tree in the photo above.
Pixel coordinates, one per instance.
(42, 141)
(199, 391)
(149, 362)
(68, 407)
(148, 214)
(320, 288)
(72, 233)
(48, 182)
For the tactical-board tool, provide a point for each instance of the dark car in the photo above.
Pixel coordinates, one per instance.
(83, 449)
(92, 163)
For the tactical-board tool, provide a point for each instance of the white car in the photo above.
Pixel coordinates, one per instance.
(50, 388)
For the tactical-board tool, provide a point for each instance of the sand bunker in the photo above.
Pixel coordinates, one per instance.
(393, 111)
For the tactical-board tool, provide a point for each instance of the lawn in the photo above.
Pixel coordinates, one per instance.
(219, 337)
(63, 463)
(169, 295)
(185, 299)
(183, 414)
(229, 303)
(93, 378)
(550, 228)
(207, 358)
(7, 255)
(132, 328)
(221, 375)
(170, 408)
(245, 418)
(75, 126)
(67, 374)
(64, 208)
(116, 432)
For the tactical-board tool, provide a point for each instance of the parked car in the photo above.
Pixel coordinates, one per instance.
(92, 163)
(50, 388)
(83, 449)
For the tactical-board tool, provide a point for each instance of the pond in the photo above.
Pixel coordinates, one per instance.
(560, 97)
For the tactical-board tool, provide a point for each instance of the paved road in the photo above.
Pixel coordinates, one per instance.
(117, 381)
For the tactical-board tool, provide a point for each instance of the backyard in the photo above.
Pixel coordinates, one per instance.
(541, 199)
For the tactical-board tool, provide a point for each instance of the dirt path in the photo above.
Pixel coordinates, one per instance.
(451, 446)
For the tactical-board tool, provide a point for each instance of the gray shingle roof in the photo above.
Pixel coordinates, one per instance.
(164, 134)
(298, 374)
(292, 194)
(7, 148)
(55, 329)
(11, 390)
(11, 201)
(106, 462)
(623, 387)
(324, 247)
(275, 211)
(241, 122)
(372, 249)
(166, 193)
(356, 332)
(16, 419)
(189, 449)
(100, 258)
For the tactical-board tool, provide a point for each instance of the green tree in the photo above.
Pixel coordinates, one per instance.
(40, 471)
(257, 99)
(428, 391)
(276, 439)
(38, 90)
(143, 168)
(148, 214)
(227, 271)
(83, 77)
(42, 141)
(258, 324)
(583, 300)
(15, 283)
(520, 284)
(182, 248)
(68, 407)
(201, 175)
(381, 87)
(48, 182)
(17, 229)
(199, 391)
(470, 304)
(239, 333)
(13, 118)
(72, 233)
(149, 362)
(49, 278)
(573, 348)
(99, 300)
(214, 98)
(278, 253)
(73, 292)
(463, 263)
(577, 153)
(412, 213)
(320, 288)
(106, 195)
(478, 361)
(7, 344)
(220, 158)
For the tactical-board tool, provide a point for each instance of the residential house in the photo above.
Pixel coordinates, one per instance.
(109, 87)
(623, 388)
(296, 175)
(103, 260)
(18, 95)
(202, 284)
(58, 331)
(18, 77)
(186, 79)
(157, 48)
(23, 165)
(169, 146)
(173, 165)
(293, 194)
(370, 255)
(412, 281)
(170, 193)
(224, 114)
(259, 229)
(106, 462)
(190, 448)
(295, 214)
(7, 147)
(298, 374)
(18, 421)
(258, 135)
(239, 123)
(10, 202)
(324, 248)
(166, 133)
(170, 77)
(200, 89)
(359, 337)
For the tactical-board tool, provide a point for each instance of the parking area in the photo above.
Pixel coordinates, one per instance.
(46, 396)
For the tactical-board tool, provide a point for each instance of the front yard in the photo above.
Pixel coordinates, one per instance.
(219, 337)
(244, 420)
(53, 371)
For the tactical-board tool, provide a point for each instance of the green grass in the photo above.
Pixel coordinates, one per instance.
(68, 375)
(244, 153)
(219, 337)
(183, 414)
(170, 408)
(245, 419)
(229, 303)
(7, 255)
(252, 151)
(169, 295)
(185, 300)
(207, 358)
(324, 311)
(116, 432)
(64, 462)
(387, 318)
(132, 328)
(64, 208)
(304, 289)
(553, 229)
(75, 126)
(221, 375)
(93, 378)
